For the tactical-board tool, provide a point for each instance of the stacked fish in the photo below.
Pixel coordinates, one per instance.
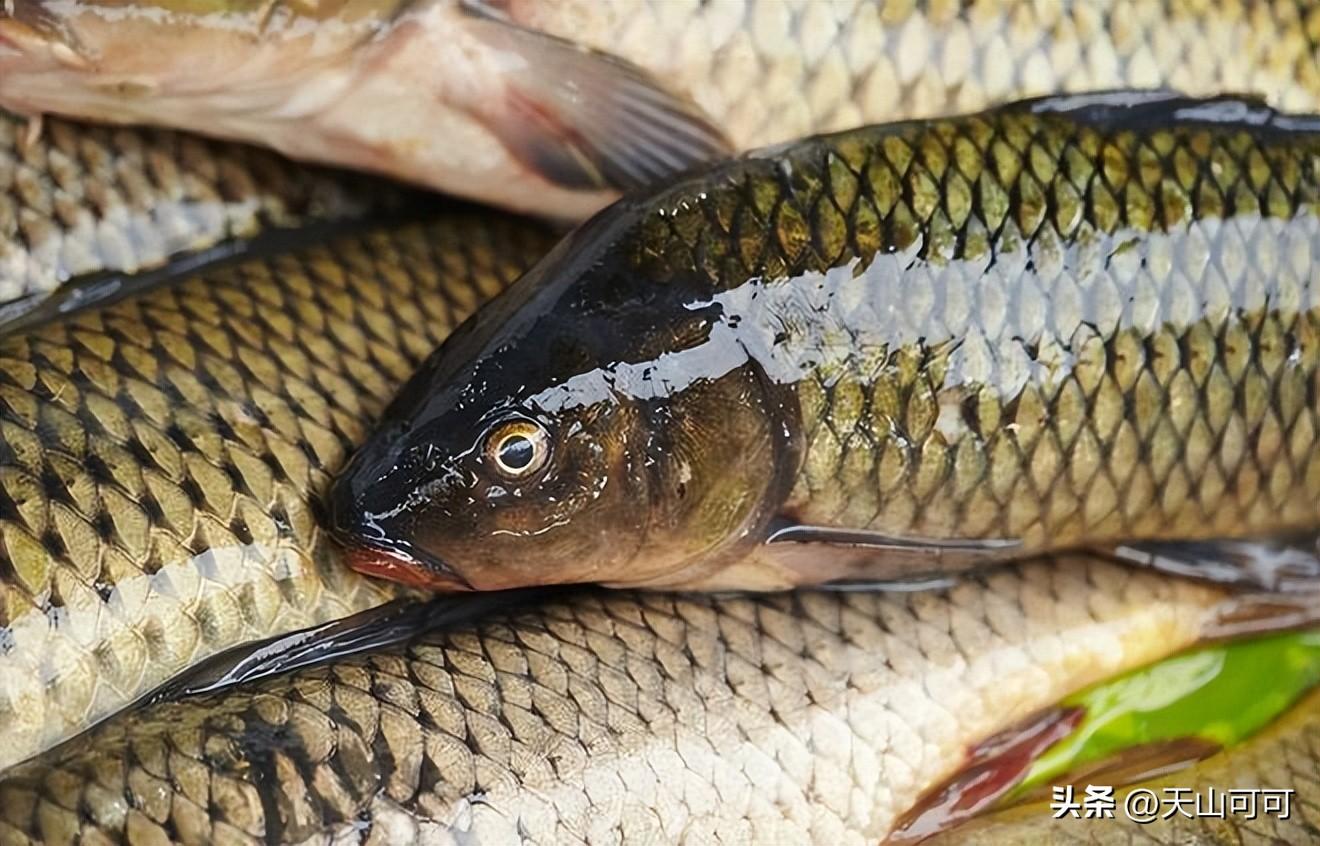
(826, 493)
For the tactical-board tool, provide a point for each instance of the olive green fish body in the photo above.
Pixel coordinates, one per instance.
(159, 459)
(1041, 331)
(798, 717)
(78, 200)
(1076, 322)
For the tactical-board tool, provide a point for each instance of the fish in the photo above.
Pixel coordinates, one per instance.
(557, 106)
(885, 355)
(1273, 777)
(608, 716)
(439, 92)
(82, 200)
(162, 457)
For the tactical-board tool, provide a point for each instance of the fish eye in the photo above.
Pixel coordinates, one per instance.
(518, 448)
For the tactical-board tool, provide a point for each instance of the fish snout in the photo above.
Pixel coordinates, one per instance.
(376, 543)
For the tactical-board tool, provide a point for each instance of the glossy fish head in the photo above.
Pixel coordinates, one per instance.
(493, 497)
(533, 448)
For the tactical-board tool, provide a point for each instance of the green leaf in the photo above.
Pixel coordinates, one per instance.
(1222, 693)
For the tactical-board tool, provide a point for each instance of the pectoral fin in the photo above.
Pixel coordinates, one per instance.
(585, 119)
(1284, 563)
(824, 555)
(372, 630)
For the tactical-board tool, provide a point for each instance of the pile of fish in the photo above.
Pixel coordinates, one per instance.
(785, 499)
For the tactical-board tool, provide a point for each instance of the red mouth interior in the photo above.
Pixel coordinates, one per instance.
(399, 568)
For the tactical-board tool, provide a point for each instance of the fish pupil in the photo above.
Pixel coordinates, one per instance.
(516, 452)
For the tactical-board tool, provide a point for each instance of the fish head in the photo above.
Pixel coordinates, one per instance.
(146, 61)
(500, 495)
(566, 433)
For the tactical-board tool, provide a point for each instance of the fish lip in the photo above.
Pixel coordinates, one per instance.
(374, 553)
(394, 565)
(370, 551)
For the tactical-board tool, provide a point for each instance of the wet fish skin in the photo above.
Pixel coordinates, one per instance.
(1285, 756)
(80, 200)
(762, 71)
(1075, 322)
(770, 71)
(160, 458)
(433, 92)
(801, 717)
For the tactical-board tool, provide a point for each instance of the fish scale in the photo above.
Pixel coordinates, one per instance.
(159, 457)
(79, 200)
(1081, 321)
(772, 70)
(762, 71)
(1079, 417)
(793, 717)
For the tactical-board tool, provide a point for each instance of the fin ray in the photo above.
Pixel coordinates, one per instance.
(786, 532)
(850, 559)
(1285, 563)
(588, 120)
(375, 629)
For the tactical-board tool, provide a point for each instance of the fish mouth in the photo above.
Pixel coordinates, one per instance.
(395, 566)
(370, 550)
